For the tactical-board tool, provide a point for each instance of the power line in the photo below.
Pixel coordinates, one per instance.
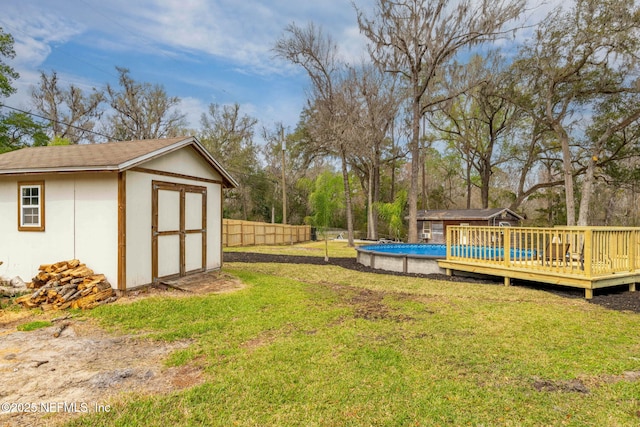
(110, 138)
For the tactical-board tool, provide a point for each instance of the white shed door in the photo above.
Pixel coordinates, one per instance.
(179, 231)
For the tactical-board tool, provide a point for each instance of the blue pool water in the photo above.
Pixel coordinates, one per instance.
(440, 250)
(424, 249)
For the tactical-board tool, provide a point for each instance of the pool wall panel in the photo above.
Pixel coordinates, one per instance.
(424, 266)
(389, 263)
(401, 263)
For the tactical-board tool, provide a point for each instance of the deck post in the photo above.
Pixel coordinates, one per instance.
(507, 281)
(506, 251)
(588, 293)
(632, 250)
(588, 252)
(632, 287)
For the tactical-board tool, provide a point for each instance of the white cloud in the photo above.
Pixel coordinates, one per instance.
(34, 32)
(192, 108)
(241, 32)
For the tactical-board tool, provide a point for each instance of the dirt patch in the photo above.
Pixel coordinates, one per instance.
(368, 304)
(78, 371)
(197, 284)
(571, 386)
(583, 385)
(619, 299)
(86, 368)
(212, 282)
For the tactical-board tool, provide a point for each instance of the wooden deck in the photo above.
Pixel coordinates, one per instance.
(580, 257)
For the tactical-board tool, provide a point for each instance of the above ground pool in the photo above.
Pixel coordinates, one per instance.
(421, 258)
(403, 257)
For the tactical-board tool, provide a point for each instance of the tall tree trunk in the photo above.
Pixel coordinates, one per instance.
(423, 167)
(587, 189)
(568, 180)
(414, 149)
(486, 179)
(393, 161)
(468, 179)
(347, 196)
(370, 207)
(376, 195)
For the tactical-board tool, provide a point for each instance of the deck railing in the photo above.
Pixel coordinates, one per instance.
(583, 251)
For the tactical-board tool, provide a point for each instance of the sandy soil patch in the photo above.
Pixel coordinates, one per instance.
(86, 368)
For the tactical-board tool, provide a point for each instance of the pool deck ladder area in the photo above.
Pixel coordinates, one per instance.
(580, 257)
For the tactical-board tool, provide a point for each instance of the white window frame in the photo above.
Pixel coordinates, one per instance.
(38, 206)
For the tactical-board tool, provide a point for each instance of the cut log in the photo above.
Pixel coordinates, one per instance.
(66, 279)
(10, 291)
(86, 291)
(60, 328)
(103, 286)
(47, 307)
(81, 271)
(85, 301)
(64, 306)
(66, 284)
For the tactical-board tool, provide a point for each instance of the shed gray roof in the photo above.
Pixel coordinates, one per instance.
(110, 156)
(465, 214)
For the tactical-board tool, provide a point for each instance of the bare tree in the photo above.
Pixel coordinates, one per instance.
(72, 114)
(142, 110)
(373, 104)
(316, 53)
(228, 134)
(577, 58)
(609, 138)
(481, 123)
(417, 39)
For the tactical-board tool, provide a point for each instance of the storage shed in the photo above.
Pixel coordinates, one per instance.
(432, 224)
(136, 211)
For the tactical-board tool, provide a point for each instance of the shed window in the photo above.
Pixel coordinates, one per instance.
(437, 228)
(31, 206)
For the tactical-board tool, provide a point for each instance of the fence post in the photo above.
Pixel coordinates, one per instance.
(225, 233)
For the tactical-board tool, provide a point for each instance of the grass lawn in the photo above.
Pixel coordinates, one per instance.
(337, 249)
(324, 346)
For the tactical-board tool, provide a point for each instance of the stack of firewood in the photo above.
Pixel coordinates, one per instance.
(67, 284)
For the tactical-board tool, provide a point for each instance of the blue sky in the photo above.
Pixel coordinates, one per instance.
(202, 51)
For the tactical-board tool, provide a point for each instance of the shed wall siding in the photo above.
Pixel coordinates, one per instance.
(80, 215)
(139, 207)
(186, 162)
(96, 224)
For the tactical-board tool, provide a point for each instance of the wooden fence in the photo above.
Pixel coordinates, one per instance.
(249, 233)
